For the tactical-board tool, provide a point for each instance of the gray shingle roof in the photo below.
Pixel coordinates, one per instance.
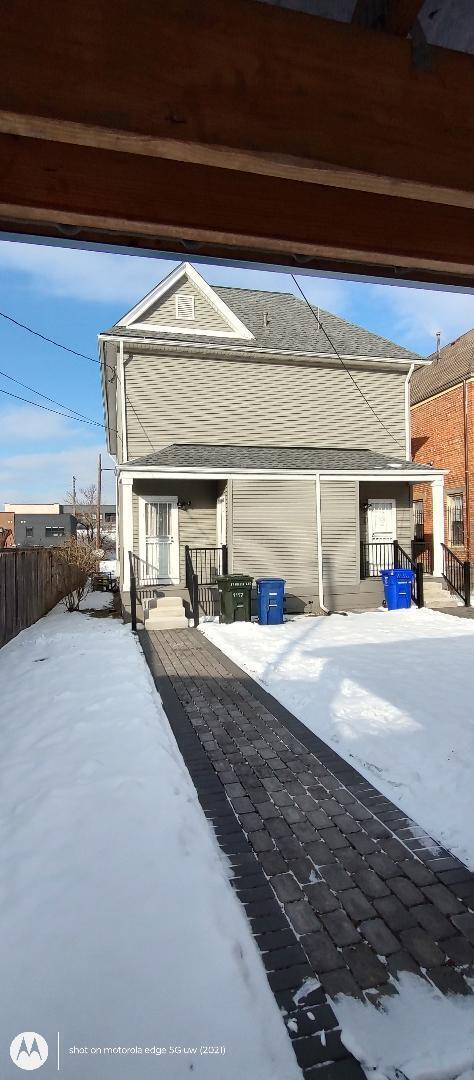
(305, 458)
(456, 362)
(292, 327)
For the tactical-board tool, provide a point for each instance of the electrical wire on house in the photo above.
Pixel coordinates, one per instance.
(82, 356)
(317, 318)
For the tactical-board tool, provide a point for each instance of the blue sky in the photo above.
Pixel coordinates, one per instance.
(71, 295)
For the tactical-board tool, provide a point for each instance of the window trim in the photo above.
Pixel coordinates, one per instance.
(451, 520)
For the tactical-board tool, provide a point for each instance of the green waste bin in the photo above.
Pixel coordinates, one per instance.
(235, 591)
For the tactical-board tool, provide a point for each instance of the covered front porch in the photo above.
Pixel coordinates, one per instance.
(325, 521)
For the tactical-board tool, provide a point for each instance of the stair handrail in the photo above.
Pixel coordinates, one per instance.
(403, 561)
(192, 584)
(457, 574)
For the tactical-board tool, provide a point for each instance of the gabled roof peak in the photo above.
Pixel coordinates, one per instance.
(137, 316)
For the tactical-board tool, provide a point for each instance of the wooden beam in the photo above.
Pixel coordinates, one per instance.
(86, 193)
(242, 86)
(393, 16)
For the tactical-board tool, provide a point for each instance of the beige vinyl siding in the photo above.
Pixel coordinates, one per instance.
(206, 317)
(340, 535)
(402, 493)
(197, 524)
(274, 531)
(217, 400)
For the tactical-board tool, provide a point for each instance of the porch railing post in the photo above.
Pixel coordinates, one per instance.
(225, 559)
(467, 583)
(396, 556)
(420, 600)
(133, 593)
(195, 603)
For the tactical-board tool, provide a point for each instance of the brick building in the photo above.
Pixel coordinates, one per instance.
(442, 434)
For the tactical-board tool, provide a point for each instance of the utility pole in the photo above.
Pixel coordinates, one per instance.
(74, 495)
(99, 496)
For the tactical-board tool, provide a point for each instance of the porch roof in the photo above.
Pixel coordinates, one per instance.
(233, 459)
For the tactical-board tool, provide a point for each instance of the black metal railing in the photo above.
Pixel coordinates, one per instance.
(422, 552)
(192, 585)
(133, 590)
(457, 574)
(203, 567)
(375, 557)
(209, 563)
(403, 561)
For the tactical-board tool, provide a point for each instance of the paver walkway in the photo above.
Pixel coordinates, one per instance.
(337, 883)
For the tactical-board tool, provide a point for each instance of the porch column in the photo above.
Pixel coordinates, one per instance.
(127, 528)
(437, 491)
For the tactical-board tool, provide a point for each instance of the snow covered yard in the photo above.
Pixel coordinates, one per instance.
(392, 692)
(119, 928)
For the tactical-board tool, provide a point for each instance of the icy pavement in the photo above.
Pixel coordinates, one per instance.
(392, 692)
(119, 929)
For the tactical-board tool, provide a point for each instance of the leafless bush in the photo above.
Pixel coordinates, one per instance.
(83, 554)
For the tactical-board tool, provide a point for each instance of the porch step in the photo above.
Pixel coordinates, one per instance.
(165, 613)
(437, 594)
(166, 622)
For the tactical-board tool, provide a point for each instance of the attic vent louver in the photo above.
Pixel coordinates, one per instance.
(184, 306)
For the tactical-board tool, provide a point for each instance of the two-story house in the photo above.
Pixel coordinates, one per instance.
(249, 419)
(442, 419)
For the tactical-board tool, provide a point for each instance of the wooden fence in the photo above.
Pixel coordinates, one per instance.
(32, 581)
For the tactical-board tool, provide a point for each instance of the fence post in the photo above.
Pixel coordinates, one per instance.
(133, 594)
(467, 583)
(225, 559)
(419, 585)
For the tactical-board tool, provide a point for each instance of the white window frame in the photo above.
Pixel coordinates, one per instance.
(189, 299)
(174, 578)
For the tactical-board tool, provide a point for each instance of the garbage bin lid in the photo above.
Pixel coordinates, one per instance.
(277, 580)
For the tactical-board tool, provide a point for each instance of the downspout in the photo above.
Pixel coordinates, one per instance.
(408, 414)
(319, 532)
(466, 470)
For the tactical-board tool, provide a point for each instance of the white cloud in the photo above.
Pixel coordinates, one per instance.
(419, 313)
(84, 275)
(33, 425)
(46, 477)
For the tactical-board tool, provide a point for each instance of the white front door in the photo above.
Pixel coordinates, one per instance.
(159, 540)
(221, 521)
(381, 530)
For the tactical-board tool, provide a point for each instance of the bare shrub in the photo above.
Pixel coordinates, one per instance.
(85, 556)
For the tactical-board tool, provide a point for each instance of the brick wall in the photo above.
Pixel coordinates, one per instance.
(437, 431)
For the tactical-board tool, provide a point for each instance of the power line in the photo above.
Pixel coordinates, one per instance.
(317, 318)
(46, 398)
(44, 337)
(82, 356)
(47, 409)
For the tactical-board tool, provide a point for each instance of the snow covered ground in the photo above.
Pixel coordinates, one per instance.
(417, 1035)
(118, 926)
(392, 692)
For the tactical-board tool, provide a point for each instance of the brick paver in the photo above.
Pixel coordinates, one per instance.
(336, 881)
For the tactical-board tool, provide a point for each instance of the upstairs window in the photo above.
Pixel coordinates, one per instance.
(184, 306)
(455, 520)
(418, 520)
(29, 530)
(54, 530)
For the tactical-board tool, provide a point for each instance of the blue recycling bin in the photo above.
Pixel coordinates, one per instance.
(397, 585)
(270, 598)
